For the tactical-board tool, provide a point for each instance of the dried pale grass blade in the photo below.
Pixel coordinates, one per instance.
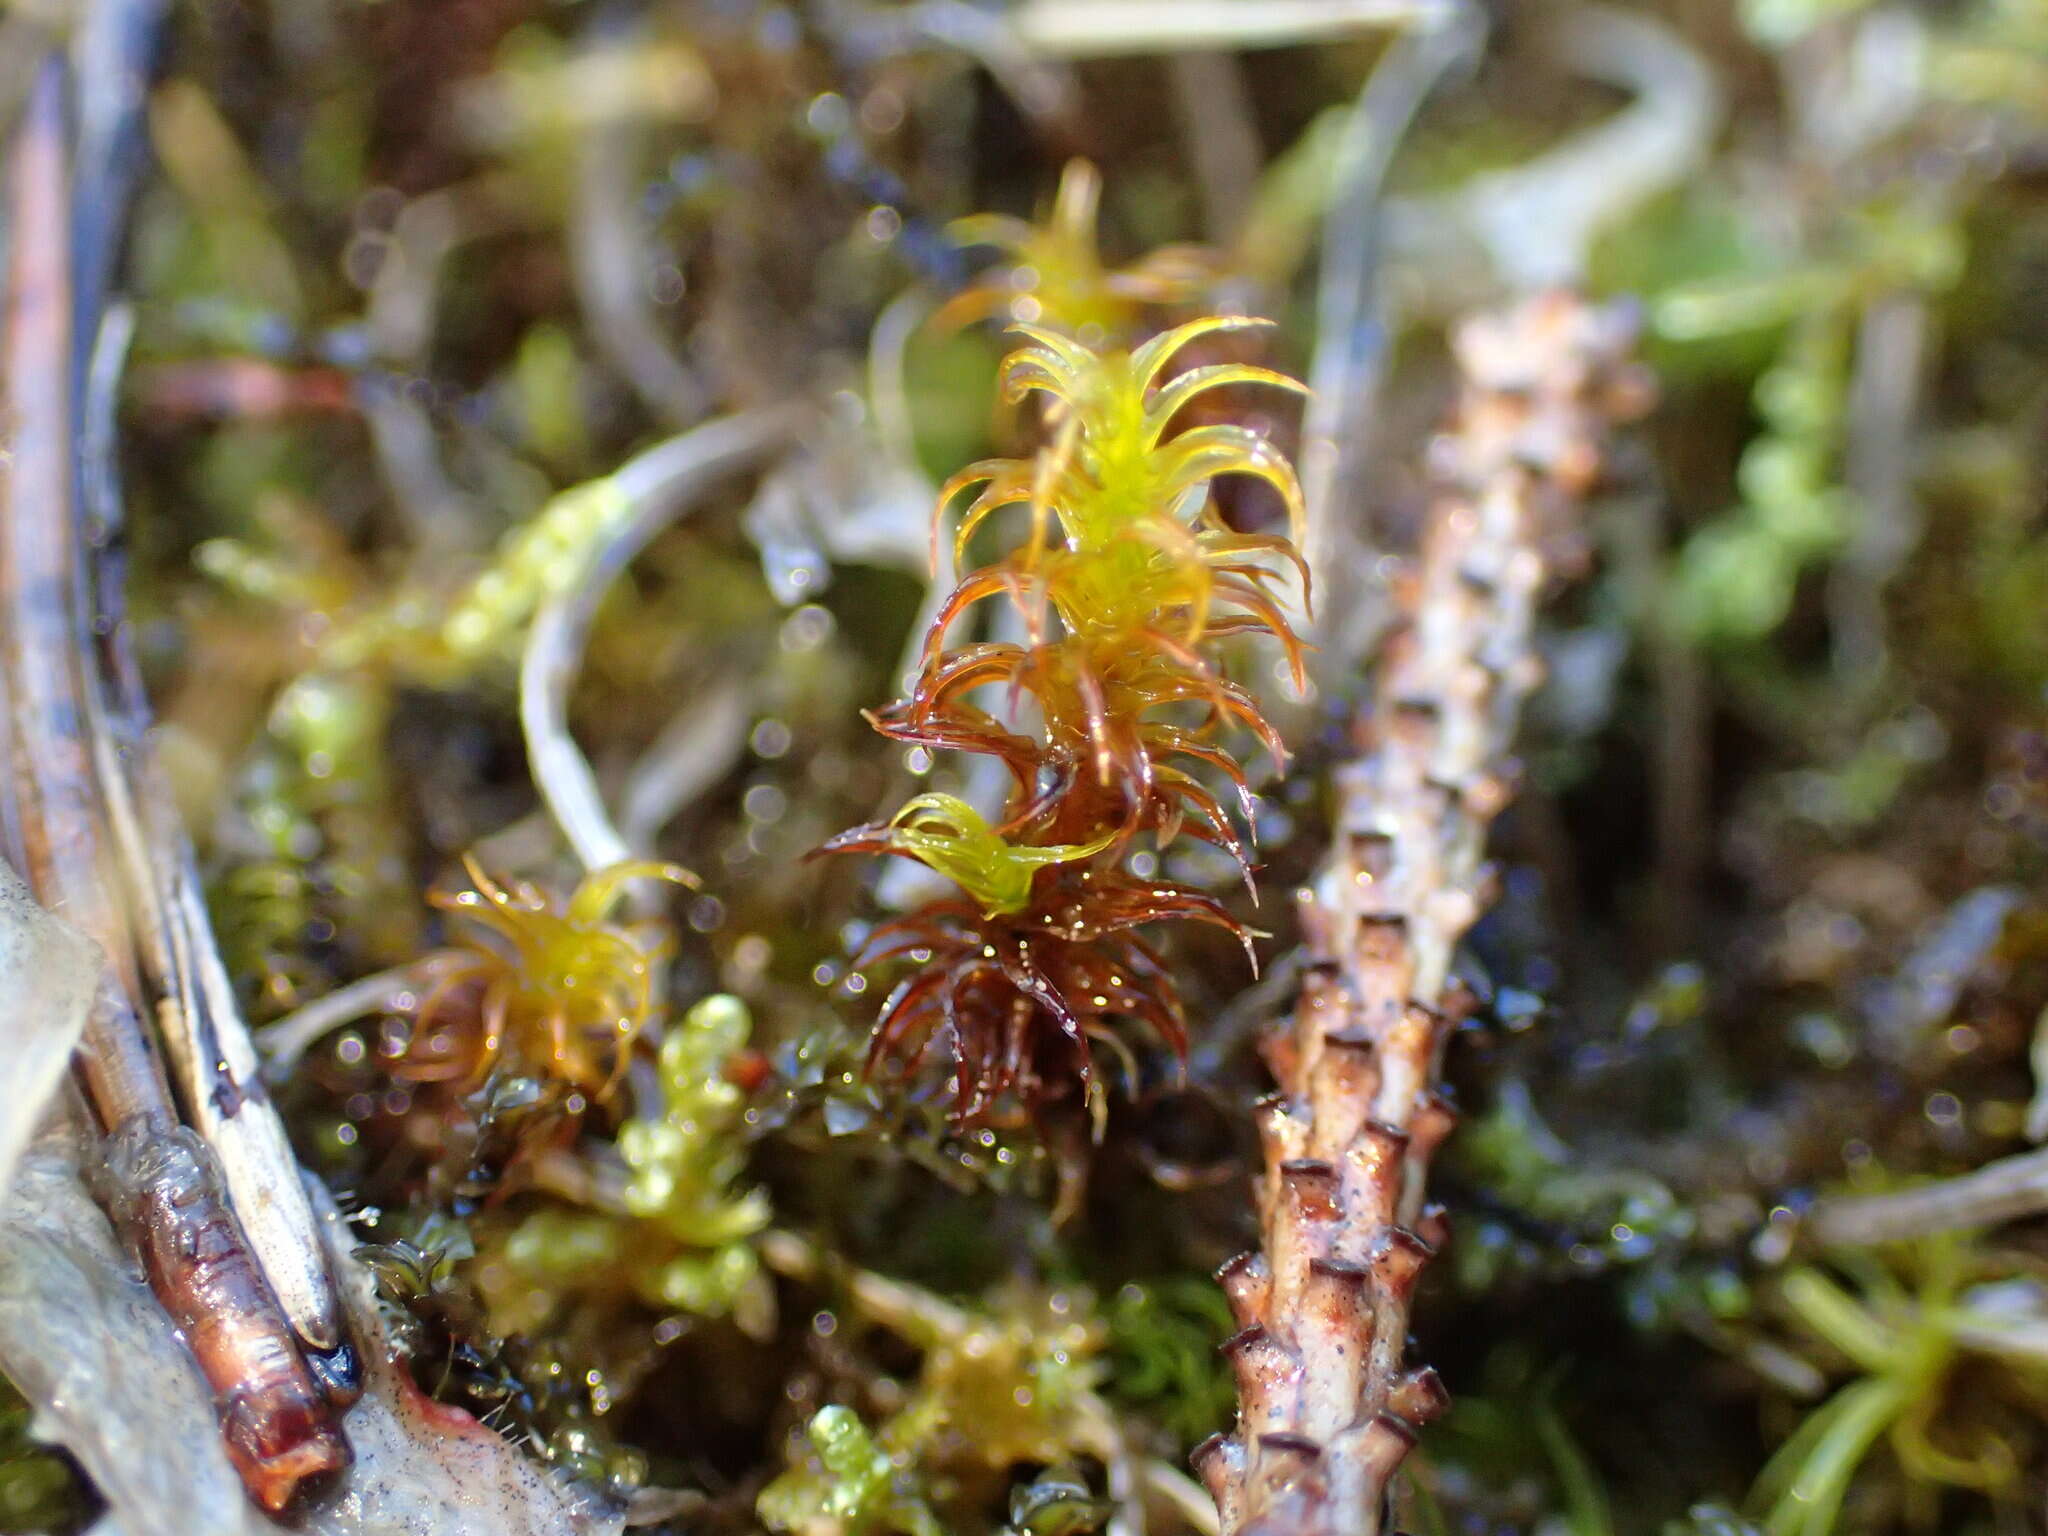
(2010, 1189)
(1103, 28)
(86, 1342)
(207, 1044)
(48, 971)
(655, 488)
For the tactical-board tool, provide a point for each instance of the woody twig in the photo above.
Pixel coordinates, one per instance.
(1328, 1406)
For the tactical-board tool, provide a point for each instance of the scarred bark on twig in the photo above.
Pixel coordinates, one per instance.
(1327, 1406)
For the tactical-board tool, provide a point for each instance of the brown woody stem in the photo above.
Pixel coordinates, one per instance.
(1328, 1406)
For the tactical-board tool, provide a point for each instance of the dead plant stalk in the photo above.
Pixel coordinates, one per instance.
(1328, 1406)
